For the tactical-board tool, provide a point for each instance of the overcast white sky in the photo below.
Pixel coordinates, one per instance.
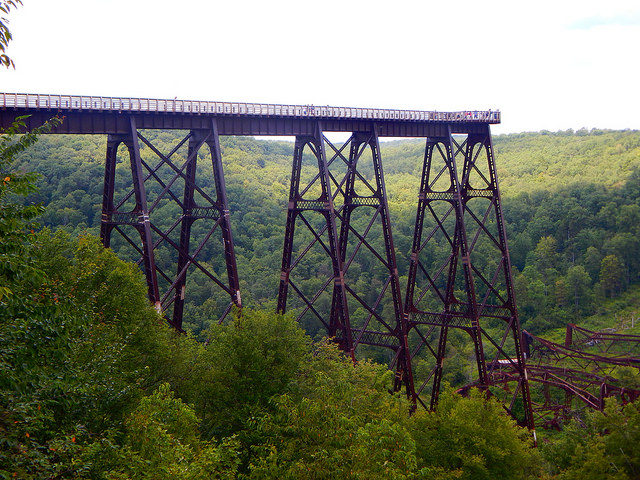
(546, 64)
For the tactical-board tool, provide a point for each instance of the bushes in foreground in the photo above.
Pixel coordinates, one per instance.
(94, 385)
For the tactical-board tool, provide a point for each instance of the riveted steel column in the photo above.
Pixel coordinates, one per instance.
(108, 207)
(403, 369)
(339, 298)
(514, 322)
(185, 229)
(221, 199)
(292, 211)
(144, 225)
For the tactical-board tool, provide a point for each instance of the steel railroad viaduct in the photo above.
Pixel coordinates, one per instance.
(459, 275)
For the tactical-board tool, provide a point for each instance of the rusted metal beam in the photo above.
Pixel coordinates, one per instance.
(459, 205)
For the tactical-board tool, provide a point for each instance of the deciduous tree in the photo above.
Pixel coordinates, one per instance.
(5, 33)
(611, 275)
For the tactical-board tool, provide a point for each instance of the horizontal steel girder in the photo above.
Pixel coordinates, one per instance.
(109, 122)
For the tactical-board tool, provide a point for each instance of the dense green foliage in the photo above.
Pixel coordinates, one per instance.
(5, 33)
(89, 371)
(607, 447)
(573, 221)
(93, 385)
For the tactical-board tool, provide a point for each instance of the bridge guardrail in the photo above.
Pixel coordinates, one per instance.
(119, 104)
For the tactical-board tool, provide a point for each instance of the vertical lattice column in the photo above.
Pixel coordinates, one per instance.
(357, 203)
(367, 196)
(138, 217)
(108, 206)
(216, 212)
(460, 275)
(498, 303)
(186, 222)
(164, 179)
(315, 197)
(223, 206)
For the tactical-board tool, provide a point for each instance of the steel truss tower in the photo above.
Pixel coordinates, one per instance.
(338, 219)
(339, 203)
(460, 275)
(168, 182)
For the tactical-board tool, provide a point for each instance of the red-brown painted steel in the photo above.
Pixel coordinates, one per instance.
(462, 289)
(185, 230)
(139, 216)
(324, 233)
(95, 114)
(213, 212)
(583, 370)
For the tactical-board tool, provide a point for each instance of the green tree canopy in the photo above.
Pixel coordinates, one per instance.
(5, 33)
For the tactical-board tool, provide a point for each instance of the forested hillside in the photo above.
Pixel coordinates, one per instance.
(571, 201)
(93, 385)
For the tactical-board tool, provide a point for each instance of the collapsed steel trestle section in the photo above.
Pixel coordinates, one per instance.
(582, 372)
(196, 205)
(460, 273)
(339, 209)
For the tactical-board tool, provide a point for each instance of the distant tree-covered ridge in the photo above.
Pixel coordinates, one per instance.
(571, 202)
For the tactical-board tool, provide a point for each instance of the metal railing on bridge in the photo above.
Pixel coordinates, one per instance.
(79, 103)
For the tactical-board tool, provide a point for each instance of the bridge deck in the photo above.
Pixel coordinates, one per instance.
(100, 115)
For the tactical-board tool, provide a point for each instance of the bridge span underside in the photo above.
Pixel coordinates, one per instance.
(116, 122)
(339, 213)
